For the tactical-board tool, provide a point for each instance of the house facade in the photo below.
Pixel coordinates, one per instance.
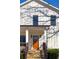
(39, 24)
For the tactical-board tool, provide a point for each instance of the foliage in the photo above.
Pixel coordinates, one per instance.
(53, 53)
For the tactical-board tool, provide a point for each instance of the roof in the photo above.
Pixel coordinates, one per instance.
(42, 3)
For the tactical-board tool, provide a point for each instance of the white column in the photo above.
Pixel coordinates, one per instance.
(27, 36)
(44, 35)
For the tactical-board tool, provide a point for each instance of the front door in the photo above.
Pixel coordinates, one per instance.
(36, 42)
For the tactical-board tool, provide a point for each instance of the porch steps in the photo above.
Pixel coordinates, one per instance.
(34, 54)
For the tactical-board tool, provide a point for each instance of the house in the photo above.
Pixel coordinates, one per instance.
(39, 24)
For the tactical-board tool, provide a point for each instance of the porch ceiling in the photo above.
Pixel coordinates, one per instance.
(31, 30)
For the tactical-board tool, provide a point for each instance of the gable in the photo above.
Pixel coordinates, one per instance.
(39, 4)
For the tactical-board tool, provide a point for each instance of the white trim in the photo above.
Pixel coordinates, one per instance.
(23, 3)
(43, 2)
(50, 4)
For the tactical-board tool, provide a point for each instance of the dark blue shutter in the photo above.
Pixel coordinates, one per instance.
(53, 20)
(22, 38)
(35, 20)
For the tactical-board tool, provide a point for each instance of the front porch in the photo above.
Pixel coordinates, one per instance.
(34, 36)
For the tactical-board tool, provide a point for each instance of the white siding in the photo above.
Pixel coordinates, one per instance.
(53, 42)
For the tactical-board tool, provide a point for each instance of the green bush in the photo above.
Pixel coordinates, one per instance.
(22, 56)
(53, 53)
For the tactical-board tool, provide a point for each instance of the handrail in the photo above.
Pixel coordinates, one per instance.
(53, 34)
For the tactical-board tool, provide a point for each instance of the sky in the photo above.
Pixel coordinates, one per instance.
(52, 2)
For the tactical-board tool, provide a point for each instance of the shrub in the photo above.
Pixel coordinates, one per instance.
(53, 53)
(22, 55)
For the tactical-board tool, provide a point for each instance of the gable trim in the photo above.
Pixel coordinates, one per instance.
(26, 2)
(48, 6)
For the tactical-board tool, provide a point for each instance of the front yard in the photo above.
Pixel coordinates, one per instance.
(52, 54)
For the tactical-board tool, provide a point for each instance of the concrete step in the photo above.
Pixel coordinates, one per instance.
(34, 58)
(34, 54)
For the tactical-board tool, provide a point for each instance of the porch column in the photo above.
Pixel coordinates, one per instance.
(27, 36)
(45, 36)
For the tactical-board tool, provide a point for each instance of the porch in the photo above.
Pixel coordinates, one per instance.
(34, 36)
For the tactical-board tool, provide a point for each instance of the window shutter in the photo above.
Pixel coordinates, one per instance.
(53, 20)
(35, 20)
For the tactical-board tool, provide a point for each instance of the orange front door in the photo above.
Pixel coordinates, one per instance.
(35, 42)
